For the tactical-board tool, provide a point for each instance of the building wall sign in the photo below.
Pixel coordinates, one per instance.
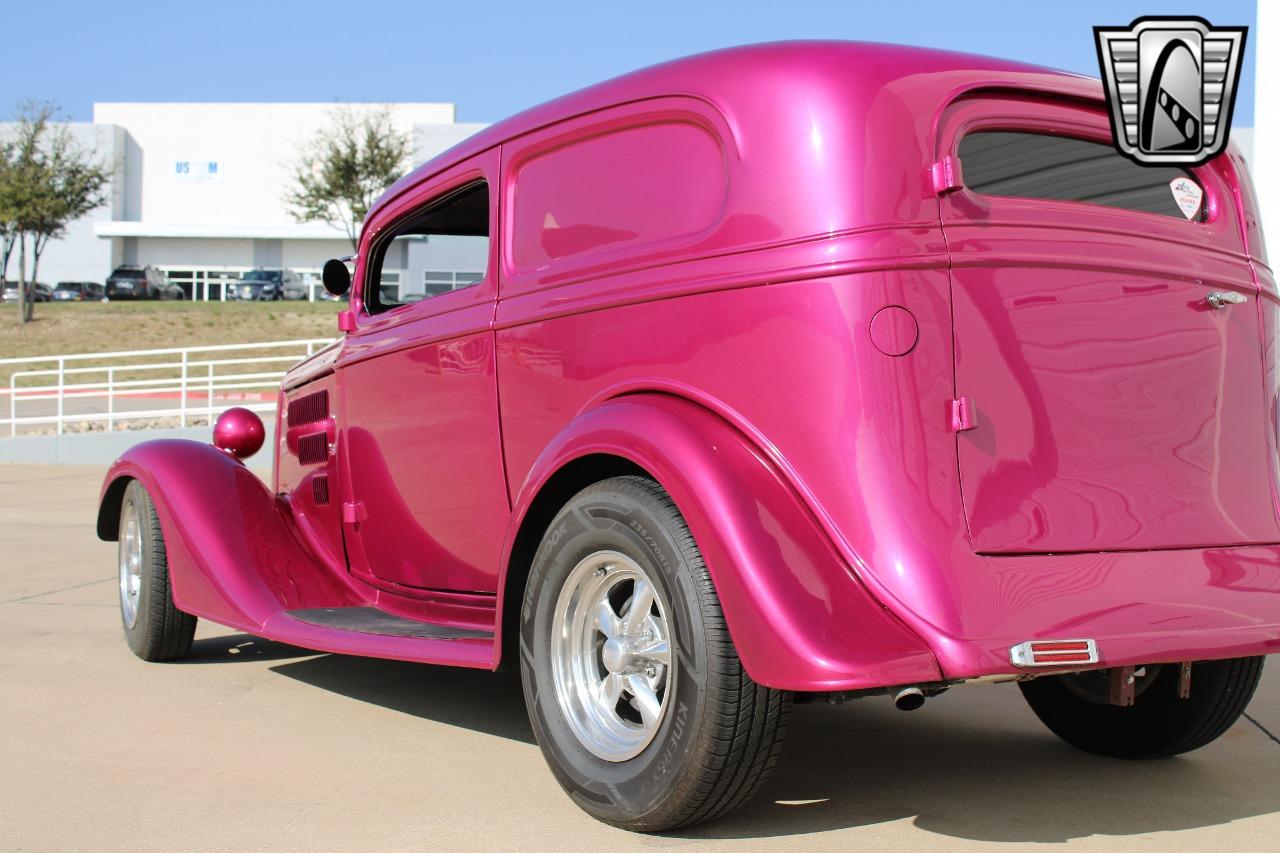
(197, 171)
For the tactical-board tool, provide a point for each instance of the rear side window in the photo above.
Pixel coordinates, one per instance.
(627, 188)
(1059, 168)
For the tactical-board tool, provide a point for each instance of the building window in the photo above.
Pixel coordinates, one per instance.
(435, 282)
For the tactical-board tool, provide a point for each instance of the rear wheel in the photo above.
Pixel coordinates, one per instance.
(635, 691)
(154, 627)
(1077, 709)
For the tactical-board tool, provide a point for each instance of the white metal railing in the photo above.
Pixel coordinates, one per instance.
(177, 383)
(214, 283)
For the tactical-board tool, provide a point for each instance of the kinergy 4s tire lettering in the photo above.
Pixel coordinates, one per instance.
(634, 689)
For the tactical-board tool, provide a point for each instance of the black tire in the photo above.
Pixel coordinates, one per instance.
(161, 631)
(723, 732)
(1159, 724)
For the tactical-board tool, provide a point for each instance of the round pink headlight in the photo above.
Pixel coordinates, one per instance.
(239, 432)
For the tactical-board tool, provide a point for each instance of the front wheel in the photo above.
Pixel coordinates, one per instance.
(1076, 707)
(634, 688)
(154, 627)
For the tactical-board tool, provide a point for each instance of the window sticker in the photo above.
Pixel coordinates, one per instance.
(1188, 195)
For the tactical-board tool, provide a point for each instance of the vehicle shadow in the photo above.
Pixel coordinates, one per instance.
(975, 766)
(229, 648)
(483, 701)
(991, 774)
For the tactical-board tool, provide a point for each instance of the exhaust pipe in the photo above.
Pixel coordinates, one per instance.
(908, 699)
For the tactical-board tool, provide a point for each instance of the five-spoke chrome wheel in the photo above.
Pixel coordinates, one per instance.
(611, 655)
(130, 563)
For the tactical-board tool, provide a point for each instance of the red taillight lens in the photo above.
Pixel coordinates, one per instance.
(1054, 653)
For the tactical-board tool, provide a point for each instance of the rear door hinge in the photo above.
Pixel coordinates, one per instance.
(963, 416)
(353, 512)
(945, 175)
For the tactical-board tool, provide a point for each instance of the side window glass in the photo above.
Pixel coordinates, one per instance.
(443, 248)
(1060, 168)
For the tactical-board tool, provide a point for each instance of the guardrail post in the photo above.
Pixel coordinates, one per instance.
(13, 405)
(111, 398)
(209, 405)
(62, 379)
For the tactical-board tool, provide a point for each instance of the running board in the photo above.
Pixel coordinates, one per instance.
(371, 632)
(371, 620)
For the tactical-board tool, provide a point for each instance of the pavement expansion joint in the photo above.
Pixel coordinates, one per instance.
(55, 591)
(1263, 729)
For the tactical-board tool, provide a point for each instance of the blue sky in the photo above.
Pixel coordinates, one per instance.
(493, 58)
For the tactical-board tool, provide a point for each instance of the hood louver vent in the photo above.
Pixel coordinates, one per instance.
(320, 490)
(309, 408)
(313, 449)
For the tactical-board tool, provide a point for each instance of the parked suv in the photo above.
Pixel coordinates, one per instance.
(79, 291)
(796, 372)
(138, 282)
(269, 284)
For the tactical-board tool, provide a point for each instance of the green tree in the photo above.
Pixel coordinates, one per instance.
(344, 167)
(46, 182)
(8, 232)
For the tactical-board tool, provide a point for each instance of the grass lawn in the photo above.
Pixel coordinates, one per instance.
(85, 327)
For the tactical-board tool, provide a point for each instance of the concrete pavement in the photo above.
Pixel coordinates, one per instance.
(253, 745)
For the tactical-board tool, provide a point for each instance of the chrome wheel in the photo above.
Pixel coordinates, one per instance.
(611, 655)
(130, 563)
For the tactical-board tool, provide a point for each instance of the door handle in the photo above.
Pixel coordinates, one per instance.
(1218, 299)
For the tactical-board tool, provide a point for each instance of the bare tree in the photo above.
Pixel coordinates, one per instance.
(46, 182)
(344, 167)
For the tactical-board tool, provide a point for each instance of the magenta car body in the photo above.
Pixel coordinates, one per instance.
(911, 426)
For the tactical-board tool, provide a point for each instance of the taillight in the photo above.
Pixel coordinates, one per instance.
(1054, 653)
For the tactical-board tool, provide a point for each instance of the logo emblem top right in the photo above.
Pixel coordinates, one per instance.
(1171, 86)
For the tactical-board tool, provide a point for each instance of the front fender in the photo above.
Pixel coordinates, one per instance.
(234, 554)
(798, 616)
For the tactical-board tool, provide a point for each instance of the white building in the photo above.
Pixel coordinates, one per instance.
(199, 190)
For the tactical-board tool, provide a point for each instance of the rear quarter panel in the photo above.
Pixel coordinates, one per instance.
(763, 314)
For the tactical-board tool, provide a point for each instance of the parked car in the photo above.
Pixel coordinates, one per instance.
(269, 285)
(39, 292)
(79, 291)
(138, 282)
(798, 372)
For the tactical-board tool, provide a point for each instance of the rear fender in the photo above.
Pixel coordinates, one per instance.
(234, 554)
(799, 618)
